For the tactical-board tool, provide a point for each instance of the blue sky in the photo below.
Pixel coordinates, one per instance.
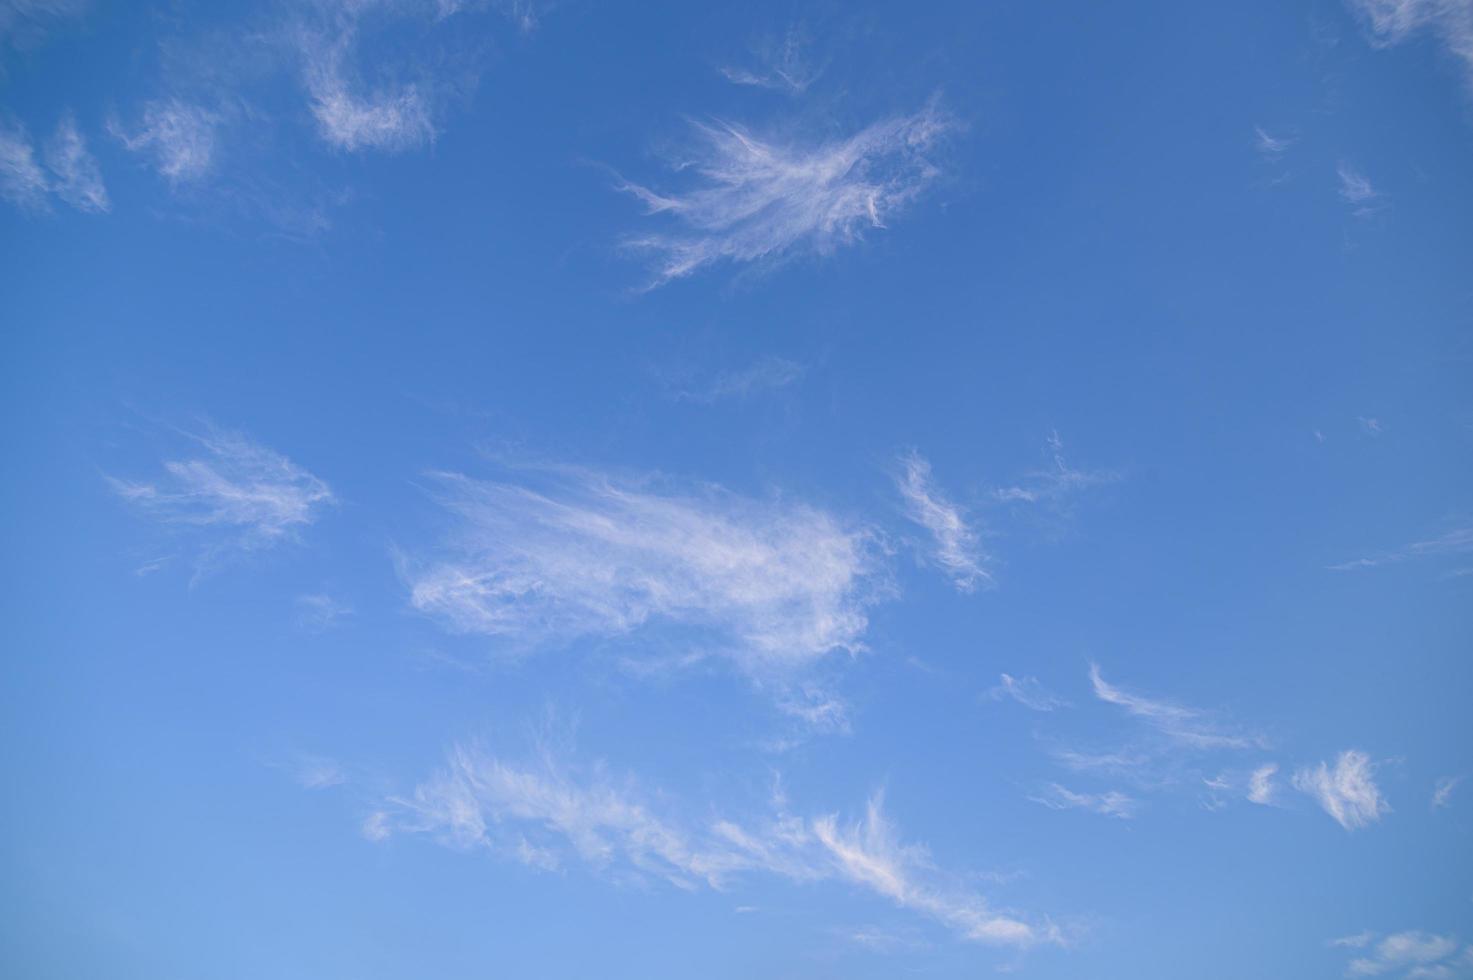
(795, 489)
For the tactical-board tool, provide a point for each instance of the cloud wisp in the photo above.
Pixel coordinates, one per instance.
(1111, 803)
(759, 198)
(774, 586)
(766, 374)
(1186, 726)
(956, 548)
(780, 65)
(1458, 541)
(1057, 484)
(1393, 21)
(1357, 190)
(1028, 692)
(179, 136)
(75, 177)
(1413, 955)
(1442, 793)
(247, 496)
(1347, 792)
(548, 814)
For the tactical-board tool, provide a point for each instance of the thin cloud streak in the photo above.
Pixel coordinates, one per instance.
(1457, 541)
(1348, 792)
(1109, 804)
(1028, 692)
(766, 198)
(1188, 726)
(547, 814)
(1394, 21)
(179, 136)
(78, 179)
(956, 550)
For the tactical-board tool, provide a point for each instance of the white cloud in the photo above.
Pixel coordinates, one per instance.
(1457, 541)
(1188, 726)
(1356, 190)
(1347, 793)
(1412, 954)
(1057, 483)
(389, 117)
(766, 374)
(759, 198)
(957, 550)
(782, 65)
(319, 611)
(317, 772)
(1109, 804)
(22, 182)
(1393, 21)
(253, 495)
(1269, 146)
(78, 179)
(1028, 692)
(1443, 792)
(771, 584)
(547, 814)
(1261, 787)
(179, 136)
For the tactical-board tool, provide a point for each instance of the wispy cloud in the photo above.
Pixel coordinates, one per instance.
(1109, 804)
(548, 813)
(178, 135)
(1261, 788)
(1451, 21)
(1356, 190)
(756, 197)
(318, 772)
(771, 584)
(1442, 793)
(956, 547)
(1187, 726)
(765, 374)
(1457, 541)
(780, 64)
(78, 179)
(319, 612)
(1269, 146)
(1414, 955)
(25, 22)
(1057, 483)
(351, 116)
(1028, 692)
(22, 181)
(1347, 792)
(251, 496)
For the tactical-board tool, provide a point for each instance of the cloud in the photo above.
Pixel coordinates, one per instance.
(771, 584)
(1356, 189)
(782, 65)
(1347, 792)
(1028, 692)
(1411, 954)
(1270, 147)
(548, 814)
(1109, 804)
(1457, 541)
(758, 198)
(318, 612)
(253, 496)
(1443, 792)
(1057, 483)
(388, 118)
(22, 182)
(1187, 726)
(25, 22)
(956, 548)
(78, 179)
(766, 374)
(179, 136)
(1261, 784)
(1393, 21)
(317, 772)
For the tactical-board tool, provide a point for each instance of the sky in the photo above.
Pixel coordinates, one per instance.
(803, 489)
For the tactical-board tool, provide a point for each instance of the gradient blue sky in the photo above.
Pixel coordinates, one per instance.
(790, 489)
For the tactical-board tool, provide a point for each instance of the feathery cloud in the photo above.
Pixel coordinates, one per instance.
(957, 550)
(1269, 146)
(1347, 792)
(1442, 793)
(252, 495)
(766, 374)
(1188, 726)
(1356, 190)
(78, 179)
(1413, 954)
(773, 585)
(1457, 541)
(547, 813)
(178, 135)
(22, 182)
(1261, 787)
(782, 65)
(1057, 483)
(389, 118)
(1393, 21)
(768, 198)
(1028, 692)
(1109, 804)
